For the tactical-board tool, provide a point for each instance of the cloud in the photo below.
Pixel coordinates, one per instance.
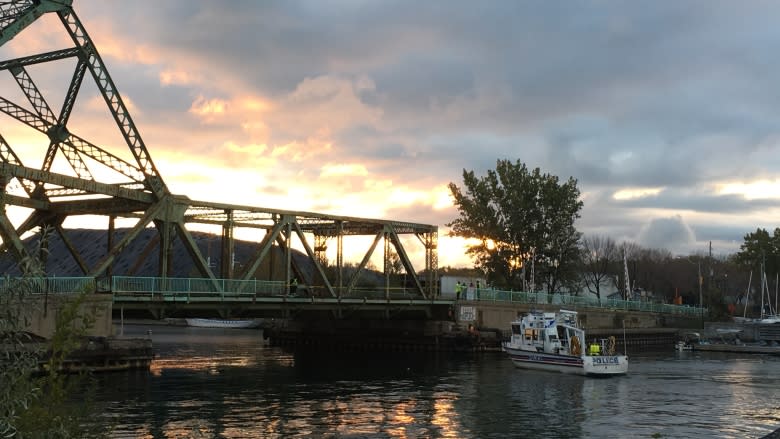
(699, 200)
(342, 170)
(178, 77)
(661, 112)
(670, 233)
(208, 109)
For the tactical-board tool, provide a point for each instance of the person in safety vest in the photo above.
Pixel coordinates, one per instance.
(457, 290)
(594, 349)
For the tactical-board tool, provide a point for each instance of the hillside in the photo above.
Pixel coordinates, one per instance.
(92, 246)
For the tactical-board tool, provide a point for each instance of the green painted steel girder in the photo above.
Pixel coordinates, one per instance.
(16, 16)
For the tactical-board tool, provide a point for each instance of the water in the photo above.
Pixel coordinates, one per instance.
(227, 383)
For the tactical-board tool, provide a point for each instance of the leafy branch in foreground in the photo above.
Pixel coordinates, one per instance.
(58, 414)
(35, 404)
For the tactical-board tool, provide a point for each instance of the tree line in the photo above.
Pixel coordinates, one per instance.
(521, 222)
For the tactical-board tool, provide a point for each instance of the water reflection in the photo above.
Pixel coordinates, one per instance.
(208, 383)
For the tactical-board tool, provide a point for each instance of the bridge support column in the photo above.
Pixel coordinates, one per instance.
(228, 246)
(158, 313)
(42, 320)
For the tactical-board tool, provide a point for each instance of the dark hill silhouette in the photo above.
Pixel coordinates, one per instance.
(92, 246)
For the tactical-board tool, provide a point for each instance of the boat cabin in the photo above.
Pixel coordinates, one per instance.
(552, 333)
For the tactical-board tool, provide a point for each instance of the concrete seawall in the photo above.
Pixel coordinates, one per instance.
(42, 312)
(98, 350)
(499, 315)
(474, 325)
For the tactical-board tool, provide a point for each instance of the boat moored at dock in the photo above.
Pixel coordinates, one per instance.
(217, 323)
(555, 342)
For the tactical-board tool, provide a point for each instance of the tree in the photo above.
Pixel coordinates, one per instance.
(394, 269)
(599, 257)
(761, 248)
(519, 217)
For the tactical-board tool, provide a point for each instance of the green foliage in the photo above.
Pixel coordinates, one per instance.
(519, 216)
(35, 404)
(17, 361)
(761, 247)
(457, 271)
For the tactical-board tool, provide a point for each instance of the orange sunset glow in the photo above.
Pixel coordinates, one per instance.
(233, 112)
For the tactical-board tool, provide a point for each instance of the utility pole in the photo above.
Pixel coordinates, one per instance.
(709, 274)
(701, 305)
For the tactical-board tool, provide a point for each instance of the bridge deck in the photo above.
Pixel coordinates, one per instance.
(156, 290)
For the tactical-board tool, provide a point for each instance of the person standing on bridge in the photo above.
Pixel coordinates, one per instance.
(458, 289)
(293, 286)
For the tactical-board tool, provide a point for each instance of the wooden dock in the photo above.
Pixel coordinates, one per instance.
(103, 354)
(737, 348)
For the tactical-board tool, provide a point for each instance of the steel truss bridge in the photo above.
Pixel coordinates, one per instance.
(131, 188)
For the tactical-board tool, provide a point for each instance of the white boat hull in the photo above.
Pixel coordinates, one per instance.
(601, 365)
(605, 365)
(216, 323)
(682, 347)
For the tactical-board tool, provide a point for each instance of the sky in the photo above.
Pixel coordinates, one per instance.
(665, 112)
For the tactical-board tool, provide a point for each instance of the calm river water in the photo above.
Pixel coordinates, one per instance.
(209, 383)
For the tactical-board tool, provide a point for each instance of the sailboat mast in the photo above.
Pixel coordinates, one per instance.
(761, 313)
(747, 295)
(775, 311)
(763, 283)
(625, 274)
(533, 260)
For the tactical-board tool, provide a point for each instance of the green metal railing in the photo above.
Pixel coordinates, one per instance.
(129, 288)
(190, 290)
(137, 289)
(50, 285)
(591, 302)
(127, 284)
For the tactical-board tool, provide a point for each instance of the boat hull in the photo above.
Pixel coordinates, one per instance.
(683, 347)
(606, 365)
(215, 323)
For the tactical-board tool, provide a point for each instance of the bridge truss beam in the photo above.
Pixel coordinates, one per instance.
(133, 190)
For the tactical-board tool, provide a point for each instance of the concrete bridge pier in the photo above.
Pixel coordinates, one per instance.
(44, 310)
